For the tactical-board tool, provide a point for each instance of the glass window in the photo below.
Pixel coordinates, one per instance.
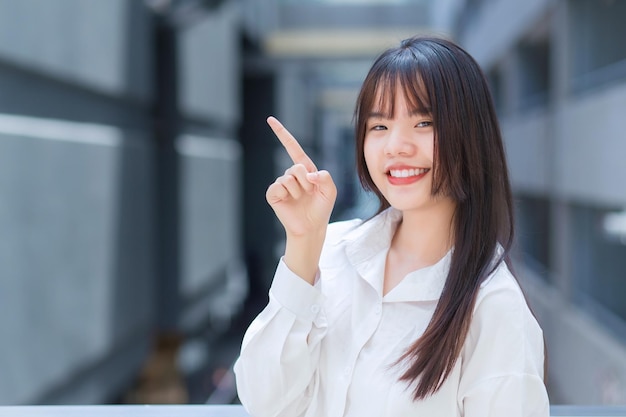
(598, 259)
(494, 76)
(535, 73)
(533, 232)
(596, 34)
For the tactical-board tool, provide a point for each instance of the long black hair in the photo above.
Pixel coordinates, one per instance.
(469, 166)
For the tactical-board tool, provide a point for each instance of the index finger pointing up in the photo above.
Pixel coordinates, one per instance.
(291, 145)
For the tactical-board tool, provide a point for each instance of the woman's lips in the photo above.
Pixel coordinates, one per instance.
(405, 176)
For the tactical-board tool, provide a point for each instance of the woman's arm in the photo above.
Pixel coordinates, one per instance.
(277, 369)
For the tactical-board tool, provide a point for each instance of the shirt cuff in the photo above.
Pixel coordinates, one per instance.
(295, 294)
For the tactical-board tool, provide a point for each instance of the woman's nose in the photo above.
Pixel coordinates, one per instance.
(398, 144)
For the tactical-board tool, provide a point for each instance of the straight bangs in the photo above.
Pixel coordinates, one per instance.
(411, 86)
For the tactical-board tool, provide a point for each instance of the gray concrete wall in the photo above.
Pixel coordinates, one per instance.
(574, 152)
(210, 67)
(77, 256)
(590, 147)
(211, 169)
(510, 20)
(586, 363)
(213, 279)
(526, 140)
(584, 164)
(75, 270)
(99, 45)
(76, 192)
(296, 99)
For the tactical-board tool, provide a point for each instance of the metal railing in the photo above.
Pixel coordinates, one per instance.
(124, 411)
(228, 411)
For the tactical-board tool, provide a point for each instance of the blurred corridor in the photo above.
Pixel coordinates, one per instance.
(134, 157)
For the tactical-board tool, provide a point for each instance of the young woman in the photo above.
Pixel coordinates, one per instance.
(413, 312)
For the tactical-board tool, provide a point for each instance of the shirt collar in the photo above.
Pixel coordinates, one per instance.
(366, 248)
(425, 284)
(372, 236)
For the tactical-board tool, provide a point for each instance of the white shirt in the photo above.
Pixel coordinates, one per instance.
(328, 350)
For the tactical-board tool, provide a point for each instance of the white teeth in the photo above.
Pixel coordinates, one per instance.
(403, 173)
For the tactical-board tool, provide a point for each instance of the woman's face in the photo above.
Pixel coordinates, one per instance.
(398, 151)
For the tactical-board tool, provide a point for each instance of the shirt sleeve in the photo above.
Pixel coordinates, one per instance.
(503, 357)
(276, 371)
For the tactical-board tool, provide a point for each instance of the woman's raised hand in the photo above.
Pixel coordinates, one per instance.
(303, 198)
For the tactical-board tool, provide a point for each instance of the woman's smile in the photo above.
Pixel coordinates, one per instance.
(406, 175)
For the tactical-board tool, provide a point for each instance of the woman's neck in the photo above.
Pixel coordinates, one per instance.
(424, 235)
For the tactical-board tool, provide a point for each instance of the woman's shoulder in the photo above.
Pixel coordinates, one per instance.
(501, 290)
(501, 304)
(504, 338)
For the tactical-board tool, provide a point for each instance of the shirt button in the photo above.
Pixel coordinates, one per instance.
(378, 309)
(315, 308)
(346, 371)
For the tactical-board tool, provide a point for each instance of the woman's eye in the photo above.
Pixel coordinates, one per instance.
(378, 127)
(425, 123)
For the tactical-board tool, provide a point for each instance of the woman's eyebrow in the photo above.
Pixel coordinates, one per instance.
(426, 111)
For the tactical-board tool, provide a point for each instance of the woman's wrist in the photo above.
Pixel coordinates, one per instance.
(302, 254)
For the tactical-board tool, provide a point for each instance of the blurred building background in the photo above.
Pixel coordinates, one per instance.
(558, 71)
(134, 157)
